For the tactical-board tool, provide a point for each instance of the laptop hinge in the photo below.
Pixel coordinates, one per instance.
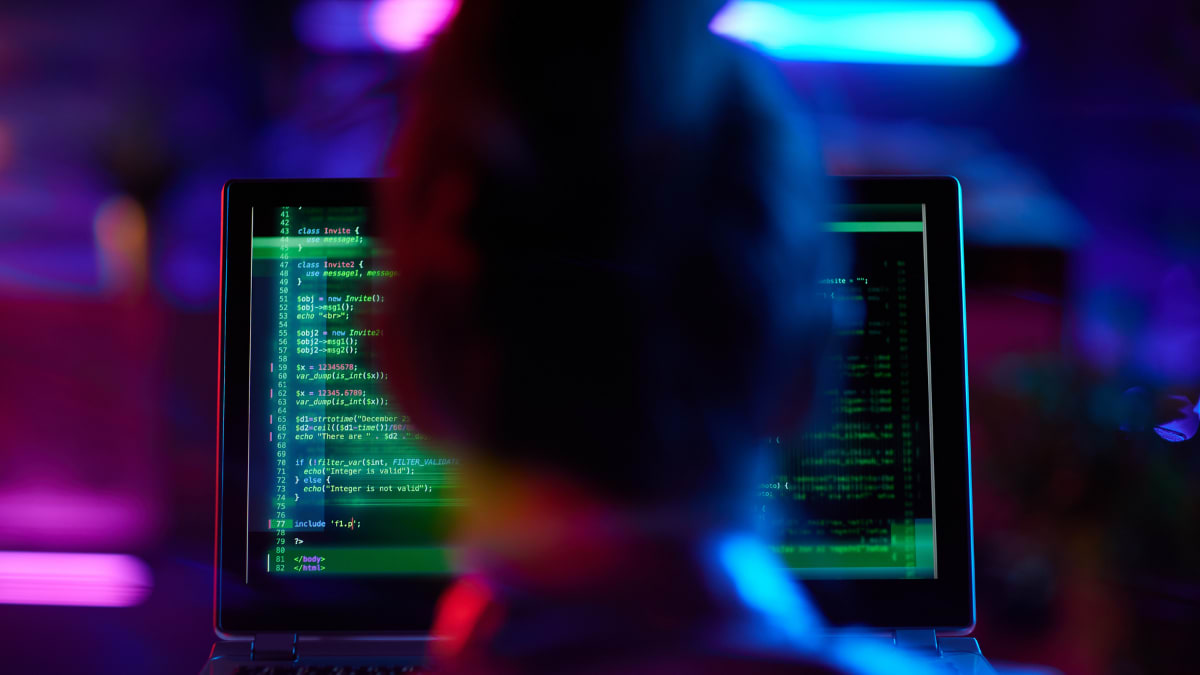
(273, 647)
(921, 640)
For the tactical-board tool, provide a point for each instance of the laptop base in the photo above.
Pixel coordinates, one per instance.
(280, 653)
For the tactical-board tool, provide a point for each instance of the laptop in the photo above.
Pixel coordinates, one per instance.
(332, 515)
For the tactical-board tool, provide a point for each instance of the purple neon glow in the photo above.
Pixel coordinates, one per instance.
(408, 25)
(332, 26)
(45, 515)
(80, 579)
(390, 25)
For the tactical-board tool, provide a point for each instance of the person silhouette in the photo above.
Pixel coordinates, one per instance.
(605, 225)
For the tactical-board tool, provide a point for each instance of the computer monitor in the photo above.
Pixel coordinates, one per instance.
(335, 512)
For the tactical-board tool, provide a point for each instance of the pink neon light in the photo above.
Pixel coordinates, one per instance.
(408, 25)
(51, 516)
(81, 579)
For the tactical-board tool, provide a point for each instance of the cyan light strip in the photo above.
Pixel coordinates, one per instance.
(933, 32)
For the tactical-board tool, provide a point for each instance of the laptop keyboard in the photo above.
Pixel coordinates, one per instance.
(330, 669)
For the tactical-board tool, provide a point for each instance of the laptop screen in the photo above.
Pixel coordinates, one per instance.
(341, 485)
(852, 497)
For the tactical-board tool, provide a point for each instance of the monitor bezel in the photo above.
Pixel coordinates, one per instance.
(405, 606)
(947, 602)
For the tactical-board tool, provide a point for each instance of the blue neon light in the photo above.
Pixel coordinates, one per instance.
(932, 32)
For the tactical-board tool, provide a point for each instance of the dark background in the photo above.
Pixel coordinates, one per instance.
(1080, 165)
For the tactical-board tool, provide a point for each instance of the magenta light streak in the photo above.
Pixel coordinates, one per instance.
(80, 579)
(408, 25)
(53, 516)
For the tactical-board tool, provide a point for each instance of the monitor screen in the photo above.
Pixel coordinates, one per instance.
(852, 497)
(340, 484)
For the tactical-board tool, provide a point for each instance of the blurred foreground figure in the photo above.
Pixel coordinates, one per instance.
(605, 223)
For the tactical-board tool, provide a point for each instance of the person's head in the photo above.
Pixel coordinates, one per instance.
(600, 285)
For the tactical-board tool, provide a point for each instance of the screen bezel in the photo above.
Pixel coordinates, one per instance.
(947, 602)
(405, 605)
